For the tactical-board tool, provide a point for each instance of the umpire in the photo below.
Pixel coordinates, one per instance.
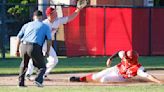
(30, 39)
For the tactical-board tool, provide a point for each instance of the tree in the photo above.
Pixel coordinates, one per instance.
(159, 2)
(20, 10)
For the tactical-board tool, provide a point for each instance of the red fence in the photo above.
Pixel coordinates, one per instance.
(118, 29)
(157, 37)
(103, 31)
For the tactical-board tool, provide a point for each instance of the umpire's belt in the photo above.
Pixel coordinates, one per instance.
(28, 43)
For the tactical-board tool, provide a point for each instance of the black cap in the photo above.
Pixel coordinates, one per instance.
(38, 13)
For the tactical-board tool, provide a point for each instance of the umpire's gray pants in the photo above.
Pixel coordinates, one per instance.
(34, 51)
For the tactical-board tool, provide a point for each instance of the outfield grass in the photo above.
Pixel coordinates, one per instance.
(150, 88)
(80, 64)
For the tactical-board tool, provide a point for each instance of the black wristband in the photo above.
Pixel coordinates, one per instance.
(114, 55)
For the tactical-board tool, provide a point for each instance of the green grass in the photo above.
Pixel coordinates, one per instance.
(80, 64)
(150, 88)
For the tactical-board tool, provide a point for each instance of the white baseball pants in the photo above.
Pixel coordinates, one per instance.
(52, 60)
(108, 75)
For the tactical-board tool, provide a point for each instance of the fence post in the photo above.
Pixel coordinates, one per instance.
(3, 29)
(150, 31)
(105, 31)
(42, 5)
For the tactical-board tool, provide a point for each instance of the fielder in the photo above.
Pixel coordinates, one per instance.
(53, 22)
(128, 67)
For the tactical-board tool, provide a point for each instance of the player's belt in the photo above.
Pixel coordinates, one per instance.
(27, 43)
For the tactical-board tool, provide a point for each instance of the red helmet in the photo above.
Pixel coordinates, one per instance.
(49, 10)
(131, 54)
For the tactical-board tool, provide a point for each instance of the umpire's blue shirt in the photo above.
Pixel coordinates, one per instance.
(35, 32)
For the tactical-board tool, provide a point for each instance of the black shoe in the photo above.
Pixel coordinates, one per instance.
(74, 79)
(21, 85)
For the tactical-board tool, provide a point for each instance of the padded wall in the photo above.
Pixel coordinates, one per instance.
(157, 35)
(84, 35)
(103, 31)
(118, 29)
(140, 30)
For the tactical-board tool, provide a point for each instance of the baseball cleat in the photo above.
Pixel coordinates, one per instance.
(46, 78)
(29, 78)
(74, 79)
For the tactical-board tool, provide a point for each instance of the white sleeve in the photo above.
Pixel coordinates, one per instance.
(121, 54)
(141, 72)
(63, 20)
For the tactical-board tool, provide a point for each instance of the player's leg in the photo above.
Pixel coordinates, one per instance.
(93, 77)
(30, 69)
(113, 76)
(52, 61)
(87, 78)
(108, 75)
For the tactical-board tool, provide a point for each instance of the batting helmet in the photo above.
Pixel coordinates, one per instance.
(132, 55)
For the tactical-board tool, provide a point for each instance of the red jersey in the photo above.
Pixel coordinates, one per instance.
(127, 70)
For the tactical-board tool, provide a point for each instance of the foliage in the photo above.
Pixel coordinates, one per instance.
(156, 2)
(20, 10)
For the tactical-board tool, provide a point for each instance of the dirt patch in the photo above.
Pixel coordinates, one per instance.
(63, 80)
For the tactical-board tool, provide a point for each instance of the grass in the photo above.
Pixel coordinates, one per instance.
(150, 88)
(80, 64)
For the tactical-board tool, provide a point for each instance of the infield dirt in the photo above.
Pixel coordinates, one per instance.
(63, 80)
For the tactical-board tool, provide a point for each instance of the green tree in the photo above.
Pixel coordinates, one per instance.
(156, 2)
(20, 10)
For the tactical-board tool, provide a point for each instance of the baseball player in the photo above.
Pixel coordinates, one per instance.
(128, 67)
(53, 22)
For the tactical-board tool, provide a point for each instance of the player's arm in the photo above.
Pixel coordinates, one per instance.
(80, 5)
(144, 74)
(117, 54)
(73, 15)
(49, 43)
(153, 78)
(66, 19)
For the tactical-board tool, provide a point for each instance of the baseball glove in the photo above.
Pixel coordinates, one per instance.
(81, 3)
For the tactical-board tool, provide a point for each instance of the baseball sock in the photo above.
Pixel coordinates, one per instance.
(86, 78)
